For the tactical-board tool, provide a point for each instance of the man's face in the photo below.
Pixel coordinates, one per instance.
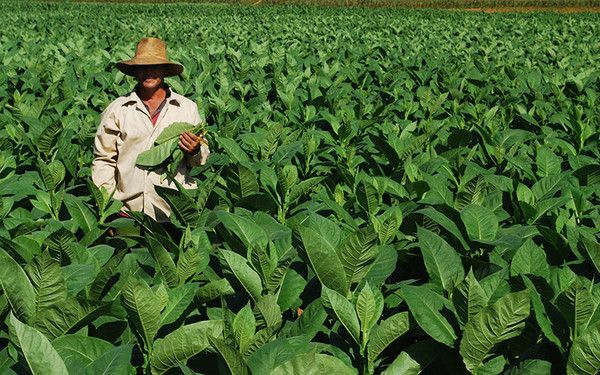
(150, 76)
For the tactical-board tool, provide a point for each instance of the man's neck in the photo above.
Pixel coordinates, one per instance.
(157, 94)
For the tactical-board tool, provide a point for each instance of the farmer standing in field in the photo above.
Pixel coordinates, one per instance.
(130, 125)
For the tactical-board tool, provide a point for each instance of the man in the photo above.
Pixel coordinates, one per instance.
(130, 125)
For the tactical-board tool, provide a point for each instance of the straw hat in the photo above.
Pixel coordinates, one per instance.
(150, 51)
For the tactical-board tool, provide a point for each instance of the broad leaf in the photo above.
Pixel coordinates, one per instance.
(39, 354)
(144, 318)
(324, 260)
(441, 260)
(244, 274)
(182, 344)
(499, 322)
(431, 311)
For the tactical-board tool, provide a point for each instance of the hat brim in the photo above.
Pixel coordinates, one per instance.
(129, 67)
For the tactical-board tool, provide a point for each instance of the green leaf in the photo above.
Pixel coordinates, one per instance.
(541, 316)
(81, 213)
(78, 351)
(233, 359)
(547, 162)
(530, 259)
(499, 322)
(175, 130)
(244, 327)
(156, 155)
(182, 344)
(144, 318)
(182, 205)
(324, 260)
(249, 279)
(47, 280)
(531, 366)
(386, 333)
(441, 260)
(577, 306)
(343, 311)
(39, 354)
(18, 289)
(415, 358)
(250, 233)
(480, 222)
(366, 309)
(102, 280)
(584, 356)
(444, 222)
(180, 299)
(68, 316)
(213, 290)
(164, 263)
(469, 298)
(427, 307)
(116, 361)
(311, 363)
(357, 252)
(268, 312)
(311, 321)
(52, 174)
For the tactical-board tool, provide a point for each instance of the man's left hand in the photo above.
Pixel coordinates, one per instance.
(190, 143)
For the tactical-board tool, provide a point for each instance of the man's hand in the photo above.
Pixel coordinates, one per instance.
(190, 143)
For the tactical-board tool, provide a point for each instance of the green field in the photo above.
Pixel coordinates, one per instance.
(390, 191)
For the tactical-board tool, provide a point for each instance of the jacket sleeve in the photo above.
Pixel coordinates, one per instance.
(202, 155)
(104, 165)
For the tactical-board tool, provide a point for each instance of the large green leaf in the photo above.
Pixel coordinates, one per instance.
(541, 315)
(102, 281)
(415, 358)
(164, 263)
(441, 260)
(115, 361)
(343, 311)
(577, 306)
(232, 358)
(481, 222)
(81, 213)
(141, 303)
(156, 155)
(530, 259)
(431, 311)
(67, 316)
(182, 205)
(249, 279)
(47, 280)
(244, 327)
(499, 322)
(182, 344)
(357, 252)
(367, 308)
(39, 354)
(174, 131)
(78, 351)
(469, 298)
(584, 356)
(180, 299)
(19, 291)
(324, 260)
(313, 364)
(386, 333)
(213, 290)
(250, 233)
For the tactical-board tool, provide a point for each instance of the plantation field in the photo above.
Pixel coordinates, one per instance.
(389, 191)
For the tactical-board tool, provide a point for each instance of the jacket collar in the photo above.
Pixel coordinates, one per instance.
(134, 99)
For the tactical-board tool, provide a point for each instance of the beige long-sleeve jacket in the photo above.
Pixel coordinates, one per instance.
(125, 131)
